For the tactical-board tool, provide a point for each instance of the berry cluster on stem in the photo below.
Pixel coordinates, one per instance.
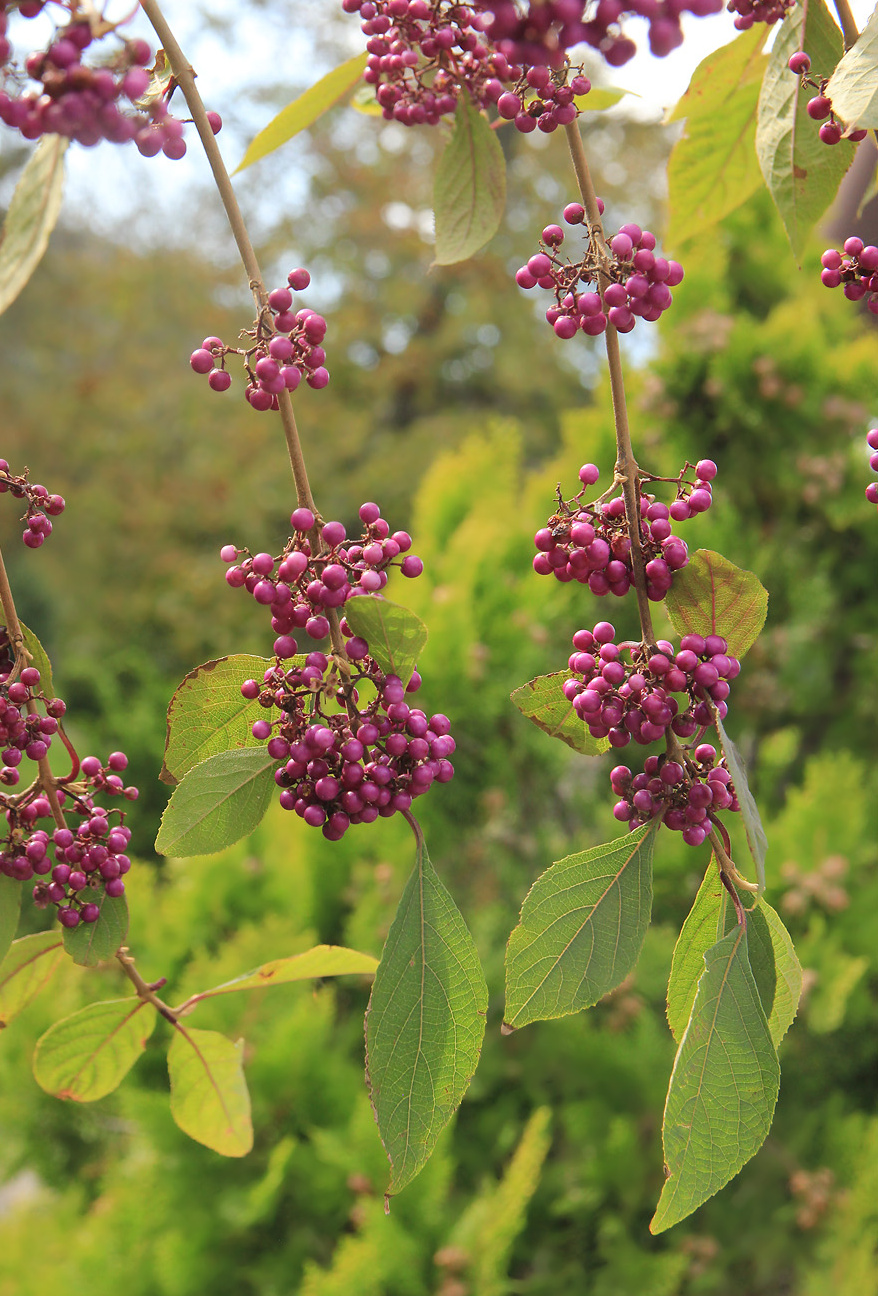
(544, 98)
(819, 107)
(748, 12)
(629, 279)
(283, 346)
(686, 794)
(872, 443)
(854, 269)
(41, 506)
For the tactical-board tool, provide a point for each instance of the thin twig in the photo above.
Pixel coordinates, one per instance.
(847, 22)
(144, 990)
(626, 464)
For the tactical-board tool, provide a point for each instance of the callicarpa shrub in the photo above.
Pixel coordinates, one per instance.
(328, 719)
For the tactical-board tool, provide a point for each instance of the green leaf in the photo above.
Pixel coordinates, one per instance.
(713, 167)
(581, 929)
(802, 173)
(31, 217)
(363, 99)
(208, 715)
(395, 636)
(773, 961)
(600, 99)
(724, 1084)
(305, 110)
(853, 86)
(756, 838)
(702, 928)
(40, 659)
(88, 1055)
(25, 970)
(209, 1097)
(10, 908)
(93, 943)
(321, 961)
(469, 191)
(542, 700)
(217, 803)
(710, 595)
(424, 1023)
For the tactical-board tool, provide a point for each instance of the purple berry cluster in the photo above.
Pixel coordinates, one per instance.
(423, 54)
(590, 543)
(315, 574)
(41, 506)
(621, 701)
(285, 346)
(748, 12)
(856, 268)
(23, 730)
(542, 30)
(544, 98)
(631, 280)
(687, 797)
(872, 443)
(819, 107)
(85, 103)
(344, 760)
(87, 860)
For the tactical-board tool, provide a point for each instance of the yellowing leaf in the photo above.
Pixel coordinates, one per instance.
(209, 1097)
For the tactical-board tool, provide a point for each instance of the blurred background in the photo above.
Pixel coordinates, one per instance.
(455, 408)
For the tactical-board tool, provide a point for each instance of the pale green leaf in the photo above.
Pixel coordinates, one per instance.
(703, 927)
(321, 961)
(217, 803)
(32, 215)
(724, 1084)
(542, 700)
(853, 86)
(469, 191)
(581, 929)
(305, 110)
(207, 713)
(88, 1055)
(10, 908)
(710, 595)
(93, 943)
(773, 962)
(600, 98)
(802, 173)
(756, 838)
(40, 659)
(363, 99)
(26, 969)
(424, 1024)
(713, 167)
(395, 636)
(209, 1097)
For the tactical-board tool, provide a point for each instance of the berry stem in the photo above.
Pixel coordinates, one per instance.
(847, 22)
(626, 464)
(144, 990)
(16, 640)
(736, 899)
(185, 78)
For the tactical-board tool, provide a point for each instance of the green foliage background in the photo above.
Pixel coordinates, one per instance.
(454, 407)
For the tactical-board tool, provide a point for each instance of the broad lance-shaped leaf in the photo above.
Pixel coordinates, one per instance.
(32, 214)
(710, 595)
(853, 86)
(10, 908)
(305, 110)
(802, 173)
(756, 838)
(581, 929)
(321, 961)
(469, 192)
(25, 970)
(88, 1055)
(395, 636)
(542, 700)
(424, 1023)
(207, 713)
(217, 803)
(773, 960)
(209, 1097)
(93, 943)
(724, 1084)
(713, 167)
